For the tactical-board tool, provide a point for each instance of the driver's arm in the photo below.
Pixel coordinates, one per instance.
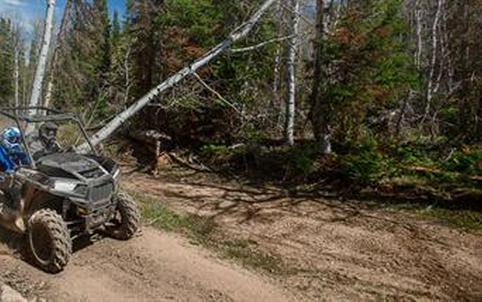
(20, 157)
(6, 163)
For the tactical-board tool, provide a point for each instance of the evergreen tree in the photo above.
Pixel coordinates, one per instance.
(145, 35)
(116, 28)
(105, 49)
(367, 66)
(7, 49)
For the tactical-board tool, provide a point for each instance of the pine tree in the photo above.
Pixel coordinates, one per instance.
(116, 28)
(7, 61)
(370, 70)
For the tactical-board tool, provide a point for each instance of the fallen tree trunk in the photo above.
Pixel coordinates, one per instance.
(427, 170)
(239, 33)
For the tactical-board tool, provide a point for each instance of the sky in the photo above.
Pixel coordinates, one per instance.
(26, 12)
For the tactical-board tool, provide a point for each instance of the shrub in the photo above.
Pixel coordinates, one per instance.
(466, 160)
(368, 166)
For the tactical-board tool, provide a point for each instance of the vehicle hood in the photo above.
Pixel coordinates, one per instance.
(77, 165)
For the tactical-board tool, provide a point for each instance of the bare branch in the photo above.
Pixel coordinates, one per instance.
(260, 45)
(217, 94)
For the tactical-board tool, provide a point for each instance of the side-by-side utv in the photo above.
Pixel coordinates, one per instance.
(63, 194)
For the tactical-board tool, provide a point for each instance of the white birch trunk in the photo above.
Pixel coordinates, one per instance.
(291, 84)
(128, 82)
(241, 32)
(16, 77)
(430, 86)
(444, 53)
(276, 107)
(48, 93)
(419, 18)
(42, 62)
(277, 71)
(450, 71)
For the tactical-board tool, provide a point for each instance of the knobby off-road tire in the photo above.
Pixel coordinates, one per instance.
(129, 218)
(49, 241)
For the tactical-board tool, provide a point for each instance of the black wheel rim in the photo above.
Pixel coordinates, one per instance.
(41, 243)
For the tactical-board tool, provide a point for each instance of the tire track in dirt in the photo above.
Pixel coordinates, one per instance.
(151, 267)
(334, 250)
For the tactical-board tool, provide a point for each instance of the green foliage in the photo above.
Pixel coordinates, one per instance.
(212, 149)
(116, 29)
(199, 19)
(463, 219)
(468, 161)
(465, 159)
(82, 78)
(243, 251)
(6, 61)
(373, 71)
(303, 163)
(105, 51)
(302, 160)
(416, 156)
(368, 165)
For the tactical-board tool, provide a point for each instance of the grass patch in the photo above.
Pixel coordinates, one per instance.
(249, 256)
(206, 232)
(196, 228)
(461, 214)
(463, 219)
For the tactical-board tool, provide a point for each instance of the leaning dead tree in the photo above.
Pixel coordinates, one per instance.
(55, 56)
(239, 33)
(42, 63)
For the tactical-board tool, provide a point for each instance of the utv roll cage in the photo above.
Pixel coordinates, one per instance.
(41, 115)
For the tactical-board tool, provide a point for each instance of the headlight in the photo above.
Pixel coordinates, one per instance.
(64, 186)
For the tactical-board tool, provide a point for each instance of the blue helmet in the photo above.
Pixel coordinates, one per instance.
(11, 138)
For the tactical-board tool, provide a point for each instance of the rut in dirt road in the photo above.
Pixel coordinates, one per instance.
(151, 267)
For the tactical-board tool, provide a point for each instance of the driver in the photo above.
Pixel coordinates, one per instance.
(46, 141)
(11, 156)
(11, 151)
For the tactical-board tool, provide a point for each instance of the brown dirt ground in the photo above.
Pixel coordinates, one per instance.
(333, 250)
(152, 267)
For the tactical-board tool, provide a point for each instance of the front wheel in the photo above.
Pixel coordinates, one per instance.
(127, 221)
(49, 240)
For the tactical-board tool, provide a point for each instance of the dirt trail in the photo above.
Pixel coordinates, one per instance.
(331, 251)
(334, 250)
(152, 267)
